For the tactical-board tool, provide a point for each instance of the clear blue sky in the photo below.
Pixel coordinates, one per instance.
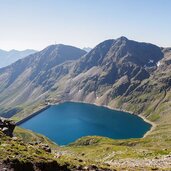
(39, 23)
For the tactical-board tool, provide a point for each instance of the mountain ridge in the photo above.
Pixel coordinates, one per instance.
(113, 68)
(11, 56)
(87, 49)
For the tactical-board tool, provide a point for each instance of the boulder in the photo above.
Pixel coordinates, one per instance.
(7, 126)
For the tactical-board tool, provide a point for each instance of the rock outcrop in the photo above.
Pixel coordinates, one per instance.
(7, 126)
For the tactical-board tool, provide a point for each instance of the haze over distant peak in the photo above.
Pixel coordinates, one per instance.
(87, 49)
(8, 57)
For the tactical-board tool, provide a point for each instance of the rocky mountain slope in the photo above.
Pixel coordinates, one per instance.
(112, 70)
(8, 57)
(31, 78)
(120, 73)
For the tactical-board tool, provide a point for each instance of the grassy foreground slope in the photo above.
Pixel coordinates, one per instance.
(26, 152)
(86, 153)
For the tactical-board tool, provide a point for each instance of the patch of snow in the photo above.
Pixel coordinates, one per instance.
(158, 64)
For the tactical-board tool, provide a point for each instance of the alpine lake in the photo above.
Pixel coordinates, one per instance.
(66, 122)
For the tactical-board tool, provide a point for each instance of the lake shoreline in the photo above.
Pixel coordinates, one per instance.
(153, 125)
(32, 115)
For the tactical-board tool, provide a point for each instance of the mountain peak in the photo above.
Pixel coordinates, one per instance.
(118, 53)
(61, 47)
(122, 38)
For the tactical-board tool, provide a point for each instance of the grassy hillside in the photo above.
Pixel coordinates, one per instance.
(26, 151)
(146, 153)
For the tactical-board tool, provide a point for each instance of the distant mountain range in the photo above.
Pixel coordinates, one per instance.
(120, 73)
(87, 49)
(8, 57)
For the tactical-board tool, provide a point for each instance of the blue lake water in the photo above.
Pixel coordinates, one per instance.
(66, 122)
